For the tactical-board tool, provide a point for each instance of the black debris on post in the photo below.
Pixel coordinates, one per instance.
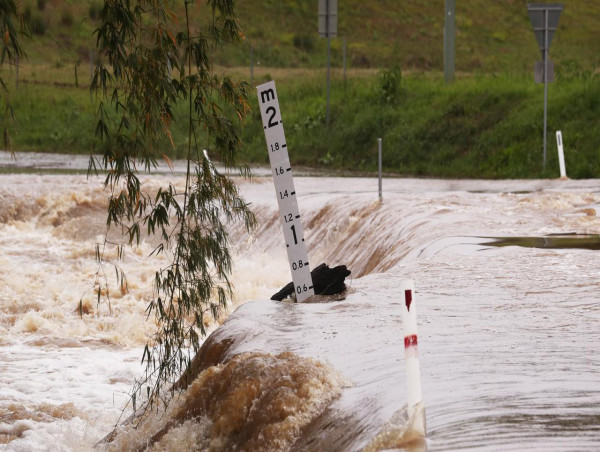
(326, 281)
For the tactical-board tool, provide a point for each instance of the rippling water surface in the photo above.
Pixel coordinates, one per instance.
(509, 336)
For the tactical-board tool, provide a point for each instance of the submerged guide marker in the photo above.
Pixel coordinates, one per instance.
(285, 191)
(416, 412)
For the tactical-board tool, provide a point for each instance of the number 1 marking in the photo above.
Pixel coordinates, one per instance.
(294, 232)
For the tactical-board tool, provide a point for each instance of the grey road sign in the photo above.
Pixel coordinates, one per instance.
(327, 18)
(538, 73)
(544, 19)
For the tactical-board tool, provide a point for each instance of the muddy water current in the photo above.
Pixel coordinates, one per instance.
(507, 285)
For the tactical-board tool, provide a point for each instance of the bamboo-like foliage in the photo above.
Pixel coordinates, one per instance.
(10, 52)
(153, 62)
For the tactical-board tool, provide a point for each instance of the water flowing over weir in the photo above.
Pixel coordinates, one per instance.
(508, 335)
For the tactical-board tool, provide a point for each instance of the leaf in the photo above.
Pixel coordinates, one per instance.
(166, 157)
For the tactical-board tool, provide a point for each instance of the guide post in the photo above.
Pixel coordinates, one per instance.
(416, 409)
(561, 155)
(379, 164)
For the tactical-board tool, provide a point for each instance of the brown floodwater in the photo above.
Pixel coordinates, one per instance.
(507, 285)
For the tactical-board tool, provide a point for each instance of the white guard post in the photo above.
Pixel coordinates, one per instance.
(561, 155)
(285, 191)
(416, 410)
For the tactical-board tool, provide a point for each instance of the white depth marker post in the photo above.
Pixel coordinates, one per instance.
(561, 155)
(285, 191)
(379, 168)
(411, 353)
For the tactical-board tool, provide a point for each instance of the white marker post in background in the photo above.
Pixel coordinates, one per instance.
(379, 159)
(416, 409)
(561, 155)
(285, 191)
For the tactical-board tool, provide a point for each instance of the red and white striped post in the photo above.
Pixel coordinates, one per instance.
(416, 410)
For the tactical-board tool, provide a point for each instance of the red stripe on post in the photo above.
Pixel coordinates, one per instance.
(410, 341)
(408, 299)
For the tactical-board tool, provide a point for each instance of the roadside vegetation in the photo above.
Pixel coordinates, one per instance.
(480, 126)
(488, 123)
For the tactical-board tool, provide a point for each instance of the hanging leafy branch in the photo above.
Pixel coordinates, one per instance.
(10, 52)
(155, 61)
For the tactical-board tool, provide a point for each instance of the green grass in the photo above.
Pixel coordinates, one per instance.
(53, 119)
(486, 124)
(490, 36)
(476, 127)
(483, 126)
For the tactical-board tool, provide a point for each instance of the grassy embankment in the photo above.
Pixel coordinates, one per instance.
(486, 124)
(476, 127)
(491, 37)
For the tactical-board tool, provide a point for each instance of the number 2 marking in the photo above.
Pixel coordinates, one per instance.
(272, 122)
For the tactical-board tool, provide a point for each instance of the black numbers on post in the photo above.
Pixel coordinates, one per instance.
(288, 217)
(272, 122)
(302, 288)
(274, 147)
(293, 228)
(297, 265)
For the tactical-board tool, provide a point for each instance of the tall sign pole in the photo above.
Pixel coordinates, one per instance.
(328, 63)
(449, 26)
(544, 19)
(545, 82)
(327, 29)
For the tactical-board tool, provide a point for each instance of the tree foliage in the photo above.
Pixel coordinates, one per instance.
(154, 60)
(11, 24)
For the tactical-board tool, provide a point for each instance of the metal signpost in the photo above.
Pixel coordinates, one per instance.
(449, 26)
(344, 59)
(327, 29)
(285, 191)
(251, 66)
(544, 19)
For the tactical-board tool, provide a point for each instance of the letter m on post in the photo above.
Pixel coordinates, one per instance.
(267, 95)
